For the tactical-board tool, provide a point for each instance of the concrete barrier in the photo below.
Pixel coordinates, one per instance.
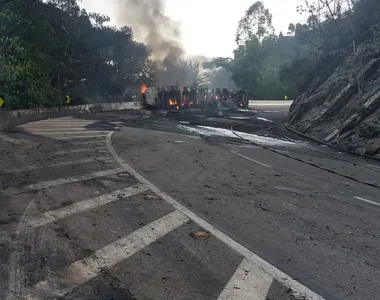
(270, 102)
(9, 119)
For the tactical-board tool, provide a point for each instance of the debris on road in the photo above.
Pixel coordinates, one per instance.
(200, 235)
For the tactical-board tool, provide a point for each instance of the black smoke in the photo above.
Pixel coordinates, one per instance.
(155, 29)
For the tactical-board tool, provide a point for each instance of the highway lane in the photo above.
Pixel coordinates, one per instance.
(317, 226)
(180, 207)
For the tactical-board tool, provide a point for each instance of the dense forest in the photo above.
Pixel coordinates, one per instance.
(52, 48)
(271, 66)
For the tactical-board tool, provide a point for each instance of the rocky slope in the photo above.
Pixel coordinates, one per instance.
(335, 111)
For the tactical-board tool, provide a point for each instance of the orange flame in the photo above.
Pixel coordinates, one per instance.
(144, 88)
(173, 102)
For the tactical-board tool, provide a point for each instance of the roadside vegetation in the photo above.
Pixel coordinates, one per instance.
(271, 66)
(53, 48)
(50, 49)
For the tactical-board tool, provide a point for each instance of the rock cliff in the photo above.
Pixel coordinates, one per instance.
(336, 111)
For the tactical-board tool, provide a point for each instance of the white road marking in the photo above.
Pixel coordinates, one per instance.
(248, 283)
(373, 166)
(81, 136)
(58, 129)
(251, 159)
(367, 201)
(73, 132)
(58, 125)
(104, 159)
(255, 259)
(264, 119)
(288, 189)
(85, 143)
(61, 181)
(169, 133)
(88, 268)
(248, 146)
(75, 151)
(61, 213)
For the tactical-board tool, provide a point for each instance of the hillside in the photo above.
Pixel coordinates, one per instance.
(335, 111)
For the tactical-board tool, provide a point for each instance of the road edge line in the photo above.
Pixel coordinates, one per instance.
(245, 252)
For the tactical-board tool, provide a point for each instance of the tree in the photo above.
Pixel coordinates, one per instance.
(257, 23)
(52, 48)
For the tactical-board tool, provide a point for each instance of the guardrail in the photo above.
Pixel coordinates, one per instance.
(9, 119)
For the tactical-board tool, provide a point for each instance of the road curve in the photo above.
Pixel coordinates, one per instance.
(168, 206)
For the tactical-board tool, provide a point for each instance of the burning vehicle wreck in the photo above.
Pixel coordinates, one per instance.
(177, 98)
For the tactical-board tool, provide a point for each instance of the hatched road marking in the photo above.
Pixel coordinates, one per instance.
(60, 181)
(246, 253)
(58, 214)
(88, 268)
(248, 283)
(251, 281)
(66, 128)
(104, 159)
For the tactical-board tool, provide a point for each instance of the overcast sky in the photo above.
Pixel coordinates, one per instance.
(209, 26)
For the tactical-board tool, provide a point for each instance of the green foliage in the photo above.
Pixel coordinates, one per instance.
(52, 48)
(271, 66)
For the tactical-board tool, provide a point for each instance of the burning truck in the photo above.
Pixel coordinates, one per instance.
(171, 98)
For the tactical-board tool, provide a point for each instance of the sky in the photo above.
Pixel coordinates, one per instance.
(208, 27)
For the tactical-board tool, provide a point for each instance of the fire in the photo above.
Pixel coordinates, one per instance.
(173, 102)
(144, 88)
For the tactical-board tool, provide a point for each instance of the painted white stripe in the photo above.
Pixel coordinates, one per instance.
(57, 129)
(288, 189)
(248, 283)
(52, 124)
(64, 119)
(61, 181)
(80, 137)
(49, 125)
(251, 159)
(88, 268)
(248, 146)
(255, 259)
(73, 132)
(61, 164)
(367, 201)
(168, 133)
(75, 151)
(16, 141)
(55, 215)
(88, 143)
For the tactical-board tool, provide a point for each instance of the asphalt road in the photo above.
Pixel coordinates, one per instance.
(184, 206)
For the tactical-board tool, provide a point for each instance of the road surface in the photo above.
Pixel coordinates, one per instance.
(184, 206)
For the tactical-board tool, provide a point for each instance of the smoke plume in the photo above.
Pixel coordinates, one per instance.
(152, 27)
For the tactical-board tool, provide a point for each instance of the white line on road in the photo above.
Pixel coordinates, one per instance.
(255, 259)
(57, 129)
(248, 283)
(288, 189)
(76, 151)
(103, 159)
(88, 268)
(73, 132)
(61, 181)
(81, 136)
(367, 201)
(89, 143)
(61, 213)
(50, 125)
(248, 146)
(251, 159)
